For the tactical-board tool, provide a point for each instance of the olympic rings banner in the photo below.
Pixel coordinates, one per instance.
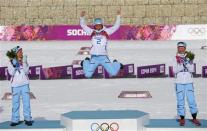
(125, 32)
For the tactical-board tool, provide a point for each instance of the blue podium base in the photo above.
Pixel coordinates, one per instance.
(173, 125)
(136, 119)
(53, 125)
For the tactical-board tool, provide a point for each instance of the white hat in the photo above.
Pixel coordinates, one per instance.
(181, 44)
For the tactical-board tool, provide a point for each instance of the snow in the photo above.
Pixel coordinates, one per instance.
(55, 97)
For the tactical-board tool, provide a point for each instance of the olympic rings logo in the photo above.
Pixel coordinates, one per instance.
(105, 127)
(197, 31)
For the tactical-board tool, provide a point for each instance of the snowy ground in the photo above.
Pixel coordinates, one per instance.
(55, 97)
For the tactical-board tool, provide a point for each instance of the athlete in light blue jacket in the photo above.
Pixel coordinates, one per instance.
(19, 69)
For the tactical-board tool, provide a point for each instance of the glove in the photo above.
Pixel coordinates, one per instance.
(25, 59)
(15, 63)
(186, 61)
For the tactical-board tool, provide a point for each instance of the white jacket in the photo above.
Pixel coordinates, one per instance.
(181, 76)
(19, 77)
(99, 42)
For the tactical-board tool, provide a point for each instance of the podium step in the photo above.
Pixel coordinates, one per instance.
(117, 120)
(51, 125)
(122, 120)
(173, 125)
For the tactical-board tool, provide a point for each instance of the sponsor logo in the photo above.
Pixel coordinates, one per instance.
(205, 71)
(131, 69)
(151, 70)
(100, 69)
(30, 72)
(145, 71)
(69, 70)
(37, 70)
(6, 71)
(79, 72)
(162, 69)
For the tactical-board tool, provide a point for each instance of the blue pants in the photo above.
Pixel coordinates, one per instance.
(16, 93)
(187, 90)
(89, 67)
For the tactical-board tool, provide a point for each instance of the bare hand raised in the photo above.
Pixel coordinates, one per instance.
(83, 13)
(118, 12)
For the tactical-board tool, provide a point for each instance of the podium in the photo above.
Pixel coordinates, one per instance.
(111, 120)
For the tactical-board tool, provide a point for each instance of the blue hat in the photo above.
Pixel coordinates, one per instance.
(98, 21)
(16, 49)
(181, 44)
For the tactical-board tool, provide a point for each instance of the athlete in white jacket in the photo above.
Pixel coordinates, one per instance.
(99, 39)
(19, 69)
(183, 69)
(183, 74)
(19, 75)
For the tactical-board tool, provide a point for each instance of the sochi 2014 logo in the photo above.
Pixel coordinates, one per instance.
(76, 32)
